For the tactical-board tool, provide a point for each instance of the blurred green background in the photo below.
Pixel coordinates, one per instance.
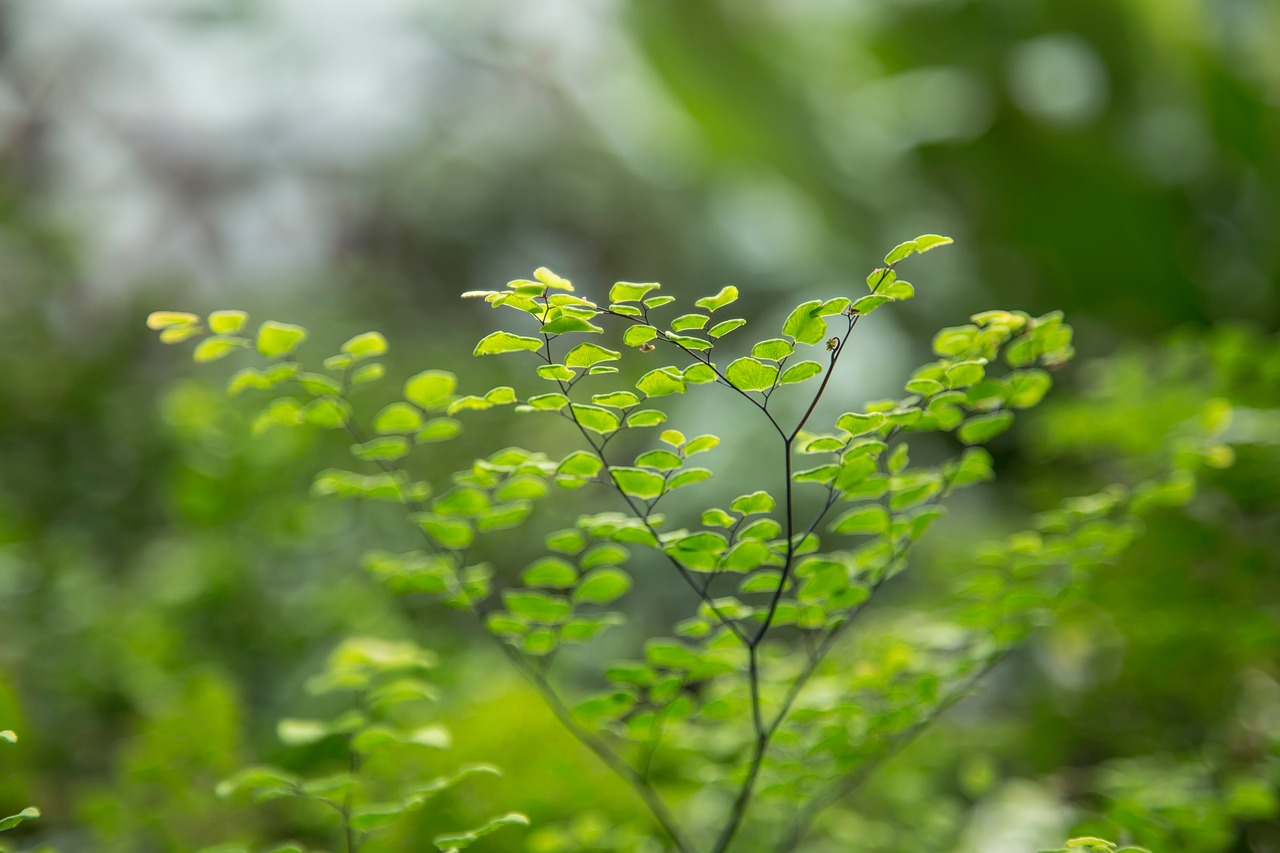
(167, 585)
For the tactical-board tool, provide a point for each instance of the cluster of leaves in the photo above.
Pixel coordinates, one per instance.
(777, 577)
(30, 812)
(390, 695)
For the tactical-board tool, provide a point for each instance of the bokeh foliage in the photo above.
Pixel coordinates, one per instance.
(166, 586)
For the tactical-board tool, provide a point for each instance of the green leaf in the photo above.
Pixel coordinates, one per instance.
(663, 460)
(319, 384)
(687, 342)
(178, 334)
(860, 424)
(616, 400)
(468, 403)
(965, 373)
(697, 374)
(604, 554)
(327, 413)
(955, 341)
(570, 322)
(552, 280)
(368, 345)
(925, 387)
(716, 518)
(724, 327)
(1027, 388)
(397, 418)
(537, 607)
(838, 305)
(727, 294)
(566, 541)
(246, 377)
(454, 533)
(982, 428)
(925, 242)
(638, 482)
(551, 572)
(912, 489)
(588, 355)
(899, 290)
(805, 324)
(227, 322)
(387, 449)
(594, 418)
(759, 501)
(660, 382)
(438, 429)
(700, 444)
(685, 322)
(673, 437)
(504, 342)
(774, 349)
(216, 347)
(29, 813)
(821, 474)
(688, 477)
(658, 301)
(157, 320)
(501, 395)
(861, 520)
(553, 402)
(921, 244)
(869, 303)
(504, 517)
(580, 463)
(625, 291)
(602, 586)
(747, 374)
(799, 372)
(555, 372)
(637, 335)
(765, 580)
(461, 500)
(278, 339)
(646, 418)
(745, 555)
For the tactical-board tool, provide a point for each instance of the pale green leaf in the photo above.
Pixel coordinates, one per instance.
(719, 330)
(748, 374)
(727, 294)
(504, 342)
(588, 355)
(660, 382)
(799, 372)
(774, 349)
(227, 322)
(157, 320)
(368, 345)
(217, 346)
(602, 586)
(279, 339)
(685, 322)
(805, 324)
(625, 291)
